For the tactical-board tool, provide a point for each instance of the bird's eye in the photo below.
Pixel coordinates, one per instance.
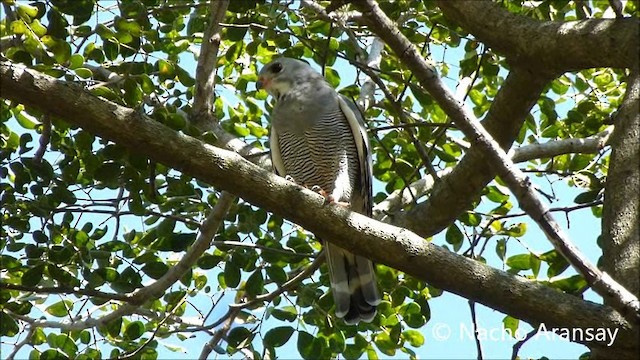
(276, 68)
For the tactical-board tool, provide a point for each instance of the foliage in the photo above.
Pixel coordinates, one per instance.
(85, 220)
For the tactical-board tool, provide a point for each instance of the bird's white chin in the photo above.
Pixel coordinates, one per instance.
(278, 90)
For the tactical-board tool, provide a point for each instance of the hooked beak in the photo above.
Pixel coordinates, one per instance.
(262, 83)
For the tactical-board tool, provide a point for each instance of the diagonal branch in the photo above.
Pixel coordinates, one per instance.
(621, 299)
(208, 229)
(399, 248)
(456, 191)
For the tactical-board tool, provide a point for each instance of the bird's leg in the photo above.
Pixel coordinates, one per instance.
(328, 198)
(290, 178)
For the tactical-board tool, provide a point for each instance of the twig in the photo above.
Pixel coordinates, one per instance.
(45, 138)
(217, 336)
(261, 247)
(474, 320)
(208, 229)
(518, 345)
(65, 290)
(132, 354)
(315, 265)
(22, 343)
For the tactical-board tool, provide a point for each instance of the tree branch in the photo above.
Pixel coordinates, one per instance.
(65, 290)
(549, 149)
(290, 284)
(206, 68)
(208, 230)
(556, 46)
(398, 248)
(620, 298)
(456, 191)
(400, 198)
(621, 211)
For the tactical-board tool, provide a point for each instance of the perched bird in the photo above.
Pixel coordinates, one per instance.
(318, 139)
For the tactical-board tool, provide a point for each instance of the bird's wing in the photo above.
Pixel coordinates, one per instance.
(353, 277)
(276, 156)
(359, 131)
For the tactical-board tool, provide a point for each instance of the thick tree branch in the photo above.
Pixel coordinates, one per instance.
(556, 46)
(621, 212)
(623, 300)
(398, 248)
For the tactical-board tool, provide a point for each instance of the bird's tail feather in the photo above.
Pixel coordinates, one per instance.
(353, 284)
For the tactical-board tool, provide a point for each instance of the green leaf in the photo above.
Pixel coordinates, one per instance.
(603, 79)
(155, 270)
(519, 262)
(477, 97)
(76, 61)
(454, 236)
(134, 330)
(501, 248)
(278, 336)
(237, 336)
(166, 69)
(65, 343)
(38, 337)
(494, 194)
(332, 77)
(255, 283)
(337, 341)
(511, 324)
(60, 309)
(25, 120)
(305, 346)
(27, 12)
(385, 344)
(18, 27)
(574, 284)
(33, 276)
(208, 261)
(557, 263)
(414, 337)
(587, 197)
(8, 326)
(535, 264)
(184, 77)
(174, 242)
(231, 274)
(114, 327)
(277, 274)
(516, 230)
(286, 313)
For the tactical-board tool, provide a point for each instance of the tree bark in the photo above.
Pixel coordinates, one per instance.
(620, 238)
(556, 46)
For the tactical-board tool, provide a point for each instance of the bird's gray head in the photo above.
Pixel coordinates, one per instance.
(280, 75)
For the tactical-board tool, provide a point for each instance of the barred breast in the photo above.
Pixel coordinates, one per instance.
(317, 155)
